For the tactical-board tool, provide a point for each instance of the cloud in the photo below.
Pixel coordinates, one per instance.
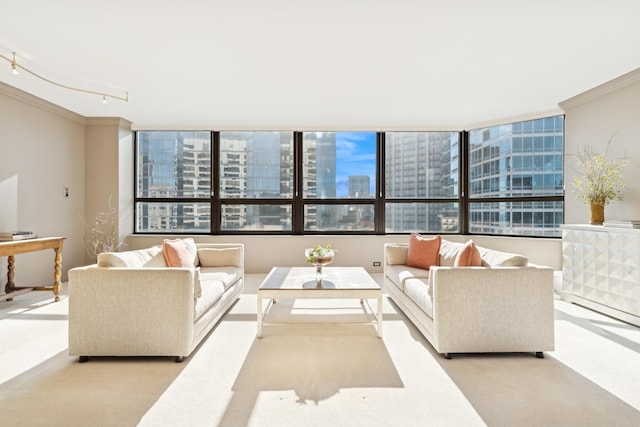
(356, 155)
(353, 145)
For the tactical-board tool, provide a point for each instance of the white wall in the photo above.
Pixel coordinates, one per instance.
(42, 151)
(591, 119)
(109, 175)
(126, 179)
(264, 252)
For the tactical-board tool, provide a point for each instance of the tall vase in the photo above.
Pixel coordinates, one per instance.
(597, 214)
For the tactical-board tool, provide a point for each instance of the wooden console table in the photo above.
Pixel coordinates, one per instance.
(13, 248)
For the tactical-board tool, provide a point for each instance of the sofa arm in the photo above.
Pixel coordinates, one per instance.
(124, 311)
(500, 309)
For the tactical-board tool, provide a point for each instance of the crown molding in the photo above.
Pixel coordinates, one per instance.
(621, 82)
(109, 121)
(295, 128)
(517, 118)
(27, 98)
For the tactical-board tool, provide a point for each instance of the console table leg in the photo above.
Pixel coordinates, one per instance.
(57, 274)
(10, 286)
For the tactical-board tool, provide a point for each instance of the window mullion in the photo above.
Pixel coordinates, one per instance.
(216, 208)
(380, 226)
(297, 220)
(464, 182)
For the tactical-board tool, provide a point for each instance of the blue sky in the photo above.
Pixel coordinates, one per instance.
(355, 155)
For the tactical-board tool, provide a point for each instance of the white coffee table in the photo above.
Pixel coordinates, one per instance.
(300, 283)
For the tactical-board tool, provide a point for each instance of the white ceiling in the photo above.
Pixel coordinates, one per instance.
(318, 65)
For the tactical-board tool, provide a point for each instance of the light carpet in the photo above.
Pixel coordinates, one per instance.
(317, 374)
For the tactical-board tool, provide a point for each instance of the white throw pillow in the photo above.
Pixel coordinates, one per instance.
(396, 255)
(131, 259)
(157, 261)
(502, 259)
(220, 257)
(448, 252)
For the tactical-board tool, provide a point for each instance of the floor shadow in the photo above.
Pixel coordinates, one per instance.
(319, 311)
(87, 393)
(106, 391)
(314, 362)
(36, 316)
(592, 326)
(25, 303)
(508, 389)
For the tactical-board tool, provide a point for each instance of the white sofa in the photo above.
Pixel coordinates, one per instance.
(131, 304)
(505, 305)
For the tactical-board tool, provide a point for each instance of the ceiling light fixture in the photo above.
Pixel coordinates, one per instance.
(14, 70)
(14, 66)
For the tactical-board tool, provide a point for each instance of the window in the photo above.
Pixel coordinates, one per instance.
(256, 181)
(505, 179)
(339, 181)
(516, 179)
(422, 182)
(173, 182)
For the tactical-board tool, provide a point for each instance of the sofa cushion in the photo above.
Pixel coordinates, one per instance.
(418, 291)
(399, 274)
(423, 251)
(176, 253)
(396, 254)
(129, 259)
(448, 252)
(493, 258)
(220, 257)
(468, 256)
(212, 291)
(227, 275)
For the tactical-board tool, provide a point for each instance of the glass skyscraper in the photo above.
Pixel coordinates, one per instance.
(518, 160)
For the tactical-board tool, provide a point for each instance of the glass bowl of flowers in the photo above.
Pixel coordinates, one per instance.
(319, 256)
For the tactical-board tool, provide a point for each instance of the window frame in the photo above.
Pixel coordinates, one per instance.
(217, 201)
(299, 220)
(467, 200)
(137, 200)
(297, 201)
(426, 199)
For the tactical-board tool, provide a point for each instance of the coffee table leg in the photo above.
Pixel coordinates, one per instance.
(260, 314)
(380, 315)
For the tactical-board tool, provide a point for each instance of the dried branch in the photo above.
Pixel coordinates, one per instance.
(101, 235)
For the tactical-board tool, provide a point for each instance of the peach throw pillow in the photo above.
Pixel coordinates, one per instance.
(176, 254)
(468, 256)
(423, 251)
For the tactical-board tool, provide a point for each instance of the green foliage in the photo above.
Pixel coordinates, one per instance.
(600, 180)
(318, 252)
